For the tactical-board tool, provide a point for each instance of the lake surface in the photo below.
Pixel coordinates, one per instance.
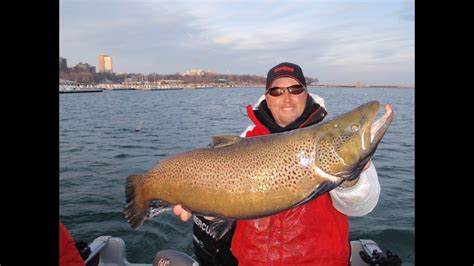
(99, 147)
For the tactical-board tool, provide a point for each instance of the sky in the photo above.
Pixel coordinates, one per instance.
(337, 42)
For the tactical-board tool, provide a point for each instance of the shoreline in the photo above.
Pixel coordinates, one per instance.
(79, 90)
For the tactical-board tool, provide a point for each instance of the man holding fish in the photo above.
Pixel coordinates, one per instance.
(315, 233)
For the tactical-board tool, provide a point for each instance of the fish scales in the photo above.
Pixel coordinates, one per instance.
(251, 173)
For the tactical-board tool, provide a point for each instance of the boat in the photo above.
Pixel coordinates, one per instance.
(108, 250)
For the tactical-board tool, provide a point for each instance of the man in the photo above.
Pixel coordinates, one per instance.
(315, 233)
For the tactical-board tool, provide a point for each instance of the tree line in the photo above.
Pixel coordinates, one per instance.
(88, 77)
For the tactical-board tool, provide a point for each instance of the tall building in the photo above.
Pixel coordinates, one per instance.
(62, 63)
(105, 64)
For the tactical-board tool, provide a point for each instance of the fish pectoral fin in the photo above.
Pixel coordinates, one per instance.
(218, 227)
(224, 140)
(156, 207)
(322, 188)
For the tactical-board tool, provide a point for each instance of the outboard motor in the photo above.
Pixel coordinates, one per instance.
(173, 258)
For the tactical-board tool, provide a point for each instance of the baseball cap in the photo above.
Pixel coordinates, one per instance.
(285, 69)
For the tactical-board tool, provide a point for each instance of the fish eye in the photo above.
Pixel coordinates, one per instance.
(355, 127)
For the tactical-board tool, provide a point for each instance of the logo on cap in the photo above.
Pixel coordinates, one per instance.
(287, 68)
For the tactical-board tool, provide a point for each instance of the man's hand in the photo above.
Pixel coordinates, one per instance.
(182, 213)
(185, 215)
(353, 182)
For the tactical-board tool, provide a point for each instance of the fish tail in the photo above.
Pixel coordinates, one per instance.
(135, 209)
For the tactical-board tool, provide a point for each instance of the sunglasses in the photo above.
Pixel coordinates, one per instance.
(294, 89)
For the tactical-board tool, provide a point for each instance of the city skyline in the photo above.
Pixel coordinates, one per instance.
(336, 42)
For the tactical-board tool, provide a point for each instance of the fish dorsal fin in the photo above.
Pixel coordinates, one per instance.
(224, 140)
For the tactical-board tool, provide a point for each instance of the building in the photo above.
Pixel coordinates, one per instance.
(197, 72)
(62, 63)
(105, 64)
(84, 67)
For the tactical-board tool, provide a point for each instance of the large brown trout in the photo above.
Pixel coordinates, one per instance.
(248, 178)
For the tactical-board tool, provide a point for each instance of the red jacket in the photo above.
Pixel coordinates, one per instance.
(68, 253)
(314, 233)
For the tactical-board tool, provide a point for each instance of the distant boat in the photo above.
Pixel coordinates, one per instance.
(140, 125)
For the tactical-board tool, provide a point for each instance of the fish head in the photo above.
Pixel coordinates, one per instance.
(347, 142)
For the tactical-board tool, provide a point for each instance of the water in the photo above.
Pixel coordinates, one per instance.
(99, 147)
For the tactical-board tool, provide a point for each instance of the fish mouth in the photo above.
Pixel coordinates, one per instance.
(379, 127)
